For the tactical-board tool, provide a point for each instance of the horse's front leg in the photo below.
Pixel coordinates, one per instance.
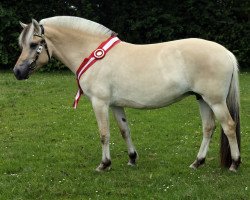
(101, 110)
(120, 117)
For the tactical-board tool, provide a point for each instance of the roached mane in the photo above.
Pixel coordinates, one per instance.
(78, 23)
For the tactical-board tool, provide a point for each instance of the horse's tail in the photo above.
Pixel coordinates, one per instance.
(233, 104)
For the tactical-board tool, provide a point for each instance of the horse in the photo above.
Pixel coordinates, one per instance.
(141, 77)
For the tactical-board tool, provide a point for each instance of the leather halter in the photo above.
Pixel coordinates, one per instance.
(42, 44)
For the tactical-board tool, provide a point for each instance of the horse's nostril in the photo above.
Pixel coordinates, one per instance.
(17, 73)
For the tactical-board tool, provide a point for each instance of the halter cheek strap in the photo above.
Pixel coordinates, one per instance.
(42, 44)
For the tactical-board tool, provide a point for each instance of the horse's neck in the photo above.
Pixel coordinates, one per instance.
(71, 46)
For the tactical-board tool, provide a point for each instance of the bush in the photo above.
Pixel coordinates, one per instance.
(137, 21)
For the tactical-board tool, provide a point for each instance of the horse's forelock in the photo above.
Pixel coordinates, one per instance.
(26, 35)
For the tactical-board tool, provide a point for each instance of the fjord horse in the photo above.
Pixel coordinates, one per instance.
(139, 76)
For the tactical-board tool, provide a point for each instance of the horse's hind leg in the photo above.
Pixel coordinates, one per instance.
(208, 126)
(120, 117)
(229, 127)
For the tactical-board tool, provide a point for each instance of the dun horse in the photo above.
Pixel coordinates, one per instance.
(116, 74)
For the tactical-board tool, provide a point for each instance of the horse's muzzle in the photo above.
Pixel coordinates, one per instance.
(22, 71)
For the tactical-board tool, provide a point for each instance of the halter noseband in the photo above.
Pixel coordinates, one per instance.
(42, 44)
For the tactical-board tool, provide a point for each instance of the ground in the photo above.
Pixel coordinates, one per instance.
(49, 150)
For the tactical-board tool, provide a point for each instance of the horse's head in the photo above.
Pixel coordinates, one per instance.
(35, 51)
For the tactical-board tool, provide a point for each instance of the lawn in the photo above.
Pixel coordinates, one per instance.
(49, 150)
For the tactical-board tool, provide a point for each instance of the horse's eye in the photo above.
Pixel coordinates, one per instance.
(33, 45)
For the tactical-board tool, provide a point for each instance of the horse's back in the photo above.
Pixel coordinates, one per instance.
(187, 54)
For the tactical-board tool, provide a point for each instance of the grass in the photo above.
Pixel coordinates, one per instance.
(50, 151)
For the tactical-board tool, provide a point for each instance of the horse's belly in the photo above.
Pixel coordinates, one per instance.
(150, 89)
(145, 105)
(146, 98)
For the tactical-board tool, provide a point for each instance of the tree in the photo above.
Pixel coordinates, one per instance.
(137, 21)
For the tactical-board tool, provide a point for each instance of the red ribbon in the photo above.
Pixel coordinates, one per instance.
(96, 55)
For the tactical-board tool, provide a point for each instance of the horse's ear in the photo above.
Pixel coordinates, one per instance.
(37, 28)
(22, 24)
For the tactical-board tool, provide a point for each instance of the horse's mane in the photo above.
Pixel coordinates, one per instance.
(77, 23)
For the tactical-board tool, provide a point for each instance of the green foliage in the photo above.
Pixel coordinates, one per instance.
(7, 28)
(49, 150)
(225, 22)
(137, 21)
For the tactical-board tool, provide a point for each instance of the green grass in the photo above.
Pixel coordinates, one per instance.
(50, 151)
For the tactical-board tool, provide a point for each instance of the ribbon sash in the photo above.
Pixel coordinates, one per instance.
(96, 55)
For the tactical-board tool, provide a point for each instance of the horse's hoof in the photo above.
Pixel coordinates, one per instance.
(101, 169)
(104, 166)
(192, 166)
(232, 169)
(235, 164)
(133, 164)
(132, 158)
(197, 163)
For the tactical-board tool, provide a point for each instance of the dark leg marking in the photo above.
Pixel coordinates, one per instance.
(199, 162)
(132, 157)
(124, 120)
(235, 164)
(103, 139)
(123, 134)
(105, 164)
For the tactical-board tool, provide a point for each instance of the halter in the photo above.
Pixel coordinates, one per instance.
(42, 44)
